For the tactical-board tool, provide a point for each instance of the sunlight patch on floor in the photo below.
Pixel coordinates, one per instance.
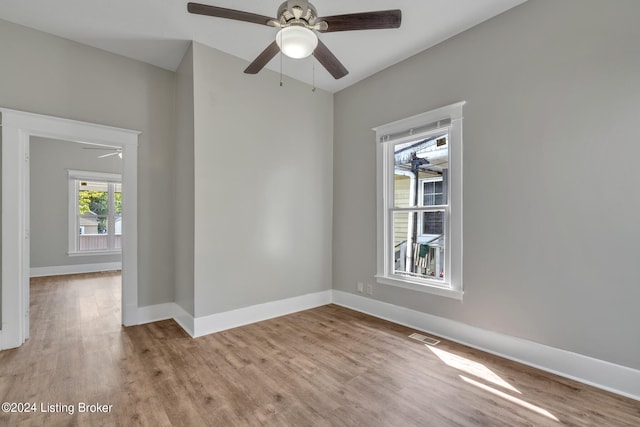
(510, 398)
(471, 367)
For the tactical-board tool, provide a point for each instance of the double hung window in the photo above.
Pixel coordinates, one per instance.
(420, 202)
(95, 213)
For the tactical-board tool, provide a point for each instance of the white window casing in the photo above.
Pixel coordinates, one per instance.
(74, 227)
(447, 120)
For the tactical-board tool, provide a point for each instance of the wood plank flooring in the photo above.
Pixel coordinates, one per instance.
(323, 367)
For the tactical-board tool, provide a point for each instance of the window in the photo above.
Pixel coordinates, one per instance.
(95, 213)
(420, 202)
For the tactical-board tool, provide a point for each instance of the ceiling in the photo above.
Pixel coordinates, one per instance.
(159, 31)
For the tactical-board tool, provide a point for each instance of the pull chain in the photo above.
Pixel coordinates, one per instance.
(280, 34)
(313, 61)
(280, 69)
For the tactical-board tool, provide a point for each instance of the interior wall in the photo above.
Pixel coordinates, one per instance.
(184, 191)
(263, 185)
(550, 173)
(49, 75)
(49, 182)
(0, 228)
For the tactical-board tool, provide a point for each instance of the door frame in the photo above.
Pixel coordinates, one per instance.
(17, 129)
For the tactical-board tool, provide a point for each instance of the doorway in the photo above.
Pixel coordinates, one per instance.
(17, 129)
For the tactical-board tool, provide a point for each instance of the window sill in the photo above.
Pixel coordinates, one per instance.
(420, 287)
(94, 253)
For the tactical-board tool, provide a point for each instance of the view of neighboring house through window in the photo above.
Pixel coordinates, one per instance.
(96, 213)
(433, 193)
(420, 202)
(420, 177)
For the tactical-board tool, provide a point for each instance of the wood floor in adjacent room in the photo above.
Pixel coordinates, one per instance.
(323, 367)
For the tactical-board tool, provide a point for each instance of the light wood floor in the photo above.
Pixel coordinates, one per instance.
(323, 367)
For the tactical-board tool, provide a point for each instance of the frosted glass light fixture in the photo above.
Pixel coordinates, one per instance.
(296, 42)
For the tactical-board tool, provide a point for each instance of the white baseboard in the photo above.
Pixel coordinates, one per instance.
(74, 269)
(199, 326)
(184, 319)
(170, 310)
(156, 313)
(257, 313)
(605, 375)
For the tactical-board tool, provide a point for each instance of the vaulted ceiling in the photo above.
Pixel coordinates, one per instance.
(159, 31)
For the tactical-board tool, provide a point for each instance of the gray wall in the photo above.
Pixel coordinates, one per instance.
(49, 182)
(0, 228)
(44, 74)
(184, 191)
(551, 202)
(263, 185)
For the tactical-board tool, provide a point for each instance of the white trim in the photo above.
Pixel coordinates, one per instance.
(59, 270)
(94, 176)
(94, 253)
(170, 310)
(17, 128)
(156, 313)
(257, 313)
(435, 288)
(449, 119)
(453, 111)
(200, 326)
(598, 373)
(13, 233)
(73, 226)
(184, 319)
(111, 179)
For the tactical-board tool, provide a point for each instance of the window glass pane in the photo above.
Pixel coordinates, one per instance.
(92, 224)
(402, 191)
(117, 194)
(118, 215)
(93, 197)
(96, 230)
(417, 164)
(432, 192)
(432, 223)
(418, 255)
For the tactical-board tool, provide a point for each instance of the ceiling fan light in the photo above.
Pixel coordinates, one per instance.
(296, 42)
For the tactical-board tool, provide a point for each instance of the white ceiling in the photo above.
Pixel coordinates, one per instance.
(158, 31)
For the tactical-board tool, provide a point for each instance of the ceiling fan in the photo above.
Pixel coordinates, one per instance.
(298, 21)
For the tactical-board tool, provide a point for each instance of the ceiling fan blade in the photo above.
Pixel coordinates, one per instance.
(263, 59)
(379, 20)
(329, 61)
(101, 148)
(221, 12)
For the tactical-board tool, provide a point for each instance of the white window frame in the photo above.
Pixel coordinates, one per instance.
(73, 177)
(449, 119)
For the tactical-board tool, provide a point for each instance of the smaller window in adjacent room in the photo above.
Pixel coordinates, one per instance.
(420, 202)
(95, 213)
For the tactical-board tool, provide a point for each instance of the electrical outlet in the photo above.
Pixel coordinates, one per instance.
(360, 287)
(369, 289)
